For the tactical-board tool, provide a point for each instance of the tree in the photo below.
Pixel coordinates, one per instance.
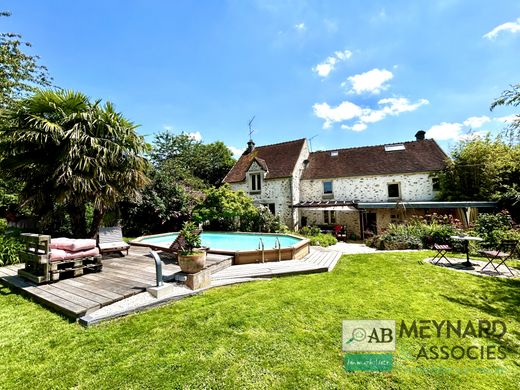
(226, 209)
(483, 169)
(166, 202)
(19, 72)
(69, 151)
(208, 162)
(510, 97)
(182, 169)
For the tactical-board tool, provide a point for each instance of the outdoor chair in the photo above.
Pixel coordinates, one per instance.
(504, 252)
(110, 239)
(441, 249)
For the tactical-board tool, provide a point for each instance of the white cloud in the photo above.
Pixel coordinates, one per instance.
(508, 118)
(395, 106)
(453, 131)
(476, 122)
(512, 27)
(237, 152)
(348, 111)
(372, 81)
(195, 135)
(444, 131)
(168, 127)
(356, 127)
(328, 65)
(345, 111)
(300, 26)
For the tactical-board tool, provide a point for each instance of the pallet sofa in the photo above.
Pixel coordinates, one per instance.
(48, 261)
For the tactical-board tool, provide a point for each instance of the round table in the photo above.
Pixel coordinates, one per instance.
(466, 240)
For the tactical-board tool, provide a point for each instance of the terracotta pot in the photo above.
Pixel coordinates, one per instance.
(194, 263)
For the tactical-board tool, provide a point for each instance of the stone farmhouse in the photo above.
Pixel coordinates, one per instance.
(362, 189)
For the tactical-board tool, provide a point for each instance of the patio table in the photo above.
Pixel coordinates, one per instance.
(466, 240)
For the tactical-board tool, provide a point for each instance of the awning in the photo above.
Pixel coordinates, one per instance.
(427, 205)
(336, 205)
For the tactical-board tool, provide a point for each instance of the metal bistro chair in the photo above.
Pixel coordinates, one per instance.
(441, 249)
(505, 251)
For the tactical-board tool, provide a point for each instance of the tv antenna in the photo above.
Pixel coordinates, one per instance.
(251, 131)
(310, 141)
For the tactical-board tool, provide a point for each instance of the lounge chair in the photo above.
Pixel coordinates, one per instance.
(110, 239)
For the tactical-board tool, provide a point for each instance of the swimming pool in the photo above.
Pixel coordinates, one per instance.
(245, 247)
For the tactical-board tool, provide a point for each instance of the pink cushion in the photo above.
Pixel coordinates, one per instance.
(71, 245)
(61, 243)
(60, 254)
(83, 244)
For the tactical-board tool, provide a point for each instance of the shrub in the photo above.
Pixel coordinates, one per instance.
(310, 231)
(322, 239)
(316, 237)
(9, 249)
(403, 237)
(3, 225)
(493, 228)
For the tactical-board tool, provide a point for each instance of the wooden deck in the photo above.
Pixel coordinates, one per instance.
(318, 260)
(123, 277)
(120, 278)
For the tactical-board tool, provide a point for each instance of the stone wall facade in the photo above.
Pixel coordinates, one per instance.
(277, 191)
(413, 187)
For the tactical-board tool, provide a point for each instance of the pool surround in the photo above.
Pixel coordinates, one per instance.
(296, 251)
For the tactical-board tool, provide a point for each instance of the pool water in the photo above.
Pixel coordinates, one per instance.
(230, 241)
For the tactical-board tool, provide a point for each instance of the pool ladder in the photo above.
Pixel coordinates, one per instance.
(262, 248)
(278, 246)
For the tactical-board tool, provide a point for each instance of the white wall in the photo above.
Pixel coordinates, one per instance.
(277, 191)
(414, 187)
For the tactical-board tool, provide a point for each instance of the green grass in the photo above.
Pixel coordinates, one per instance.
(282, 333)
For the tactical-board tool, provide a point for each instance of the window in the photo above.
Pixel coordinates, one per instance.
(329, 217)
(327, 188)
(271, 207)
(256, 182)
(394, 148)
(393, 190)
(436, 184)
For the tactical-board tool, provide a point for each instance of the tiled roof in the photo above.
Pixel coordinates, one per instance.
(279, 159)
(417, 156)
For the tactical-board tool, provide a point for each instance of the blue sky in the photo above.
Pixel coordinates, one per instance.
(348, 73)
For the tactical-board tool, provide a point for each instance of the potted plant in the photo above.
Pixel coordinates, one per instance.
(192, 258)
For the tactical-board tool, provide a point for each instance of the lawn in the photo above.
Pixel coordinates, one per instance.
(282, 333)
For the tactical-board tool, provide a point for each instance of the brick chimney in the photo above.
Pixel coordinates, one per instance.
(419, 136)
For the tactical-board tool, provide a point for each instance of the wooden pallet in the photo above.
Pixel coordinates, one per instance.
(38, 265)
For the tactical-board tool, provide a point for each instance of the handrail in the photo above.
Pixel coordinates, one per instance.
(278, 246)
(262, 247)
(158, 269)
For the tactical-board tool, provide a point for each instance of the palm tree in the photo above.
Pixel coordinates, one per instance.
(72, 152)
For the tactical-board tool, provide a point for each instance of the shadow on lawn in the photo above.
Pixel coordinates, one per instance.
(497, 297)
(4, 290)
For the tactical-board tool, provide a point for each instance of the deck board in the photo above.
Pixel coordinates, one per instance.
(318, 260)
(120, 278)
(123, 277)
